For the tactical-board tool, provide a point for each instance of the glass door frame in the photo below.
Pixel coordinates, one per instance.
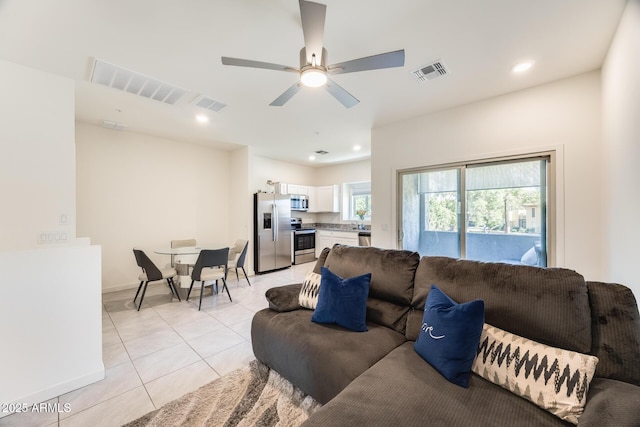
(549, 234)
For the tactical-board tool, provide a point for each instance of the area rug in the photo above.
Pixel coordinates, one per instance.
(251, 396)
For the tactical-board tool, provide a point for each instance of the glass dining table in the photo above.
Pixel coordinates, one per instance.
(183, 259)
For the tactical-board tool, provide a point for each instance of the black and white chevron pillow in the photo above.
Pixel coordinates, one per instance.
(308, 296)
(557, 380)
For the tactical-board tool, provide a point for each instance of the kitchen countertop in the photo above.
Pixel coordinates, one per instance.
(346, 230)
(341, 227)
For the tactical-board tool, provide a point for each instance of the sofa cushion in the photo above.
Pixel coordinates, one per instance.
(556, 380)
(343, 301)
(611, 403)
(403, 390)
(319, 359)
(547, 305)
(615, 326)
(283, 298)
(309, 291)
(321, 260)
(450, 335)
(392, 274)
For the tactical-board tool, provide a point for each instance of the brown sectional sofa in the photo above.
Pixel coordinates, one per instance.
(376, 378)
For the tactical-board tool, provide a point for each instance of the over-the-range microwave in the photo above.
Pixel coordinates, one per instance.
(299, 202)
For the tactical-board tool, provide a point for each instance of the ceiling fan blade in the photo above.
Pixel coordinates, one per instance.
(313, 15)
(257, 64)
(287, 95)
(340, 94)
(375, 62)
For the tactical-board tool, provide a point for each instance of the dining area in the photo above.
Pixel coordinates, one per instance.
(189, 265)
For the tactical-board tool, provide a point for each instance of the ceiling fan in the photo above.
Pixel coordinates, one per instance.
(313, 59)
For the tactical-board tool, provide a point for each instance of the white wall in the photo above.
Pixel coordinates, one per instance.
(264, 169)
(37, 177)
(50, 315)
(345, 172)
(50, 322)
(565, 114)
(136, 190)
(621, 152)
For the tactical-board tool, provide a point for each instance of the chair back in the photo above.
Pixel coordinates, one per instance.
(243, 254)
(210, 258)
(149, 268)
(185, 243)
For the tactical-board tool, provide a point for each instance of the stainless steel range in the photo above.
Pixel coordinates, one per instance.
(304, 242)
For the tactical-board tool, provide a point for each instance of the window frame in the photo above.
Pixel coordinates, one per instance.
(551, 156)
(348, 202)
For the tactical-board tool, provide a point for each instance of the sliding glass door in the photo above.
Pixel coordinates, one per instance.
(492, 211)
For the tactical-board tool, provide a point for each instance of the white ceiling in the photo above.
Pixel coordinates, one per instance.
(181, 42)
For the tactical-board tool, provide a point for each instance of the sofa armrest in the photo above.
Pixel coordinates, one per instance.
(284, 298)
(611, 403)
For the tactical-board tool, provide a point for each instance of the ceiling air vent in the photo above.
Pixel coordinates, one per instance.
(208, 103)
(430, 72)
(321, 152)
(120, 78)
(107, 124)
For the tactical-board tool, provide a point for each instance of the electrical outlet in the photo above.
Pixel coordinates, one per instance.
(53, 237)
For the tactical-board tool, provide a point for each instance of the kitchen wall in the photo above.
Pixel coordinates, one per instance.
(136, 190)
(621, 152)
(564, 116)
(339, 174)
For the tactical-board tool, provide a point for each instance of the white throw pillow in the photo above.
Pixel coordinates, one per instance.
(308, 297)
(557, 380)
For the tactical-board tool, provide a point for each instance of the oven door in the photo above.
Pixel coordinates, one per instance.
(304, 246)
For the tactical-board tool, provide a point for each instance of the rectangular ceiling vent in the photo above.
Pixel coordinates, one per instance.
(204, 101)
(120, 78)
(108, 124)
(322, 152)
(430, 72)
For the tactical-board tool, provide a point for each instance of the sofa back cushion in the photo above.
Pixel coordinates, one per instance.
(615, 331)
(548, 305)
(392, 273)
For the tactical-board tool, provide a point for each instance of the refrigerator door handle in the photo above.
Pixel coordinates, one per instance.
(277, 225)
(274, 222)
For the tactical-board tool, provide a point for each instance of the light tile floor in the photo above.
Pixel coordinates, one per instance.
(163, 351)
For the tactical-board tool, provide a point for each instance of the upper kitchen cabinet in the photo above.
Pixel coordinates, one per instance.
(284, 188)
(298, 189)
(325, 199)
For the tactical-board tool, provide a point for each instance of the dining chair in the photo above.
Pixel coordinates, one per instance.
(151, 273)
(237, 255)
(184, 243)
(211, 265)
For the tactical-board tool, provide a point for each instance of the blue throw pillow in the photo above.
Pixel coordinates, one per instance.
(342, 301)
(450, 335)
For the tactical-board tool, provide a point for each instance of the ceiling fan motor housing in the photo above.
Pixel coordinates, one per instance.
(305, 64)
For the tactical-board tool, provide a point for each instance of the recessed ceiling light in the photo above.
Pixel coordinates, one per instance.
(312, 157)
(201, 118)
(356, 148)
(522, 67)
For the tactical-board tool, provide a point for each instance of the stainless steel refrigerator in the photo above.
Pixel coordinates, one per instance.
(272, 231)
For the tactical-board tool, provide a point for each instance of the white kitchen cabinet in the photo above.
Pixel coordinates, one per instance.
(323, 240)
(280, 188)
(325, 199)
(328, 238)
(297, 189)
(345, 238)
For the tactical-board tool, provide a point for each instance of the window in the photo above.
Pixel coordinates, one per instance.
(492, 211)
(357, 200)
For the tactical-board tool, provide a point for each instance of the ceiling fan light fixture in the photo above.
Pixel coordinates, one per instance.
(313, 77)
